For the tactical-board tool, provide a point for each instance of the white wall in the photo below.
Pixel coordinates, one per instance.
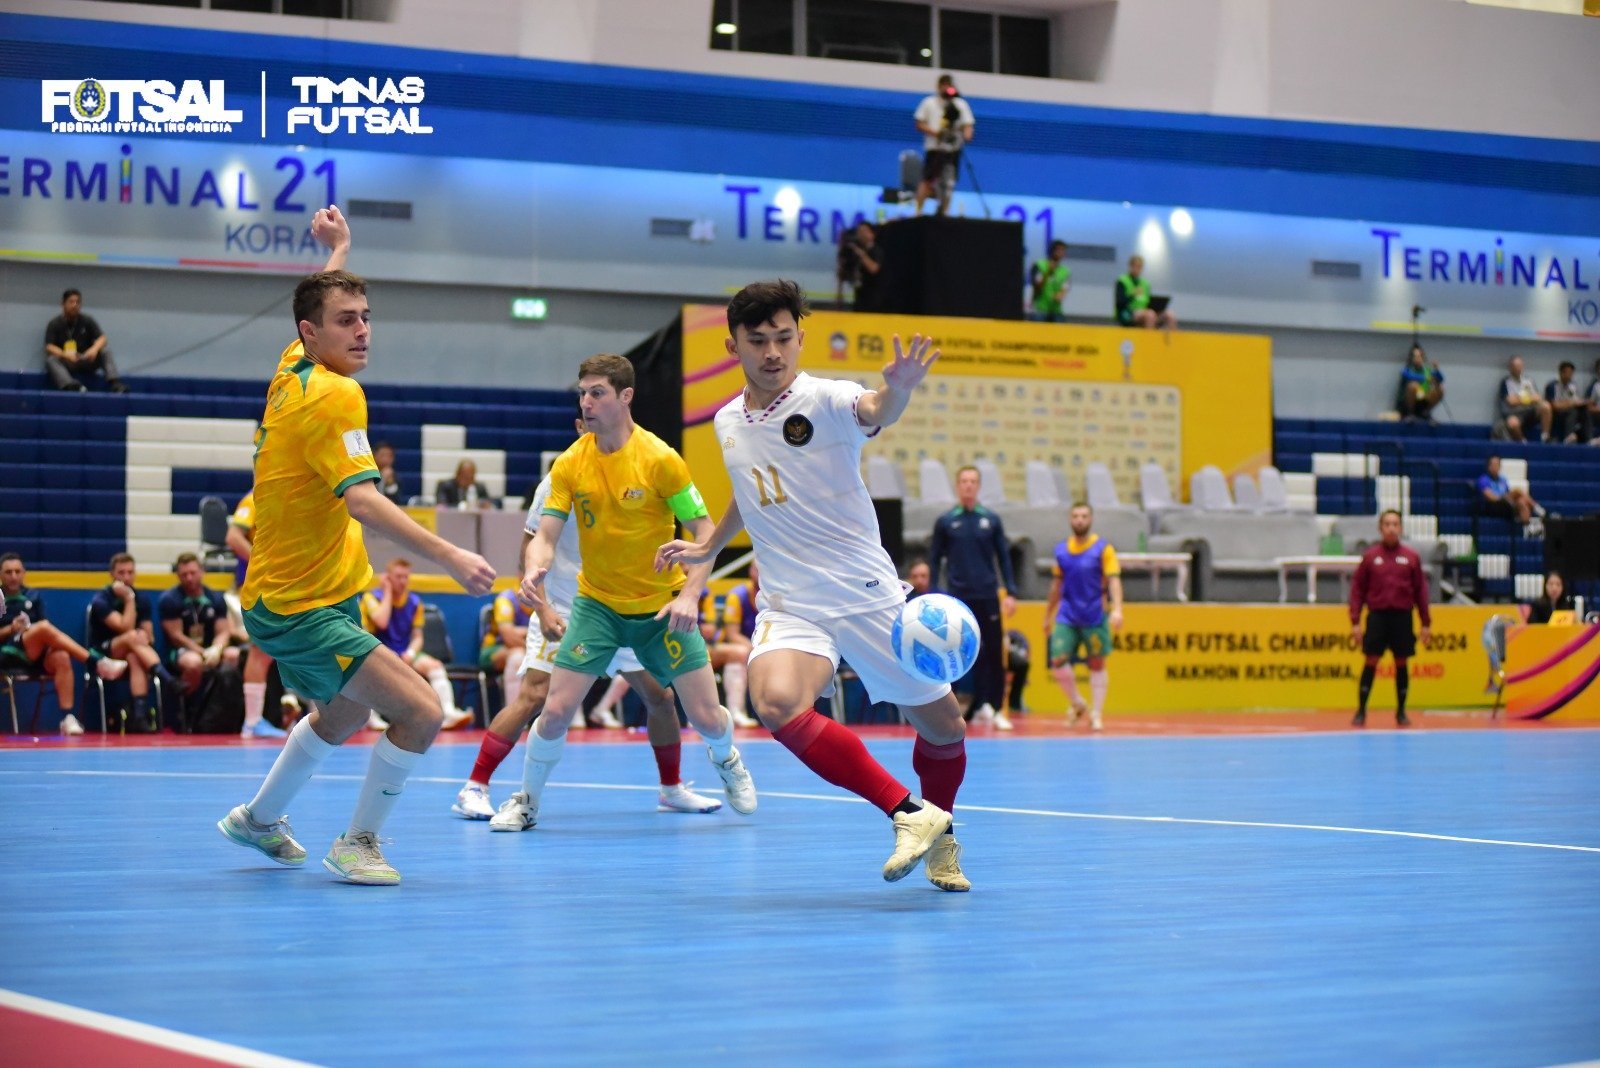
(1435, 64)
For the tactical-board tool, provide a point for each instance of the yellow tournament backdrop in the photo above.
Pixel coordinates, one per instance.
(1017, 391)
(1230, 657)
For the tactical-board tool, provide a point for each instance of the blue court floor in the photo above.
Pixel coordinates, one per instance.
(1374, 898)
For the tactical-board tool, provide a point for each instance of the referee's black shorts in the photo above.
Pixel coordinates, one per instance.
(1389, 630)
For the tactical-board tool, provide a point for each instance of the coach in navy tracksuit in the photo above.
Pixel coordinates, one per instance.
(1390, 582)
(973, 542)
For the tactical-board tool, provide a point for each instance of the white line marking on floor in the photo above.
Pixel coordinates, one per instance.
(995, 809)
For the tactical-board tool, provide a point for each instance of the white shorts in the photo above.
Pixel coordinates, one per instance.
(862, 640)
(540, 653)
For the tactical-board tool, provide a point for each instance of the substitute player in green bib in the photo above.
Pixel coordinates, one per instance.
(623, 486)
(315, 487)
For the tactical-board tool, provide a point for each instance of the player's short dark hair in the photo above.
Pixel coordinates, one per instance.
(1081, 504)
(947, 79)
(69, 294)
(616, 369)
(6, 558)
(313, 291)
(185, 558)
(1391, 511)
(1567, 365)
(1056, 242)
(759, 302)
(121, 558)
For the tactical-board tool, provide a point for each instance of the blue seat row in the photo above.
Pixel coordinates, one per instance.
(254, 389)
(53, 525)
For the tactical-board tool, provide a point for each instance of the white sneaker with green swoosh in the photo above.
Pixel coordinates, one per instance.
(356, 858)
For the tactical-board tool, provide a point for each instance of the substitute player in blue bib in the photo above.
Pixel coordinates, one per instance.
(1077, 625)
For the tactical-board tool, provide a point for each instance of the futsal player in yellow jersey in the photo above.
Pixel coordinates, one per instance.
(315, 487)
(623, 486)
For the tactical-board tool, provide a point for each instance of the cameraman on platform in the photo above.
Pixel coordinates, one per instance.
(946, 123)
(859, 265)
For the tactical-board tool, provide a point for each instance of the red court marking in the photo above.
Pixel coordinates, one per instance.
(33, 1040)
(1186, 724)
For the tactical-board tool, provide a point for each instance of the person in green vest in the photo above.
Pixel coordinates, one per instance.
(1051, 278)
(1133, 300)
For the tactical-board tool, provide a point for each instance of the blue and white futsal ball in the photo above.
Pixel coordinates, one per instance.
(936, 637)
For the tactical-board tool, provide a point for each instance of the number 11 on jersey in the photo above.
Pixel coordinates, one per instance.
(778, 496)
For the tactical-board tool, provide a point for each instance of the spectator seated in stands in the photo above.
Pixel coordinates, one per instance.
(1421, 386)
(1567, 406)
(388, 481)
(75, 348)
(195, 620)
(1132, 295)
(1555, 599)
(859, 265)
(1050, 279)
(395, 616)
(1519, 404)
(920, 577)
(464, 490)
(122, 627)
(1500, 499)
(1591, 414)
(29, 642)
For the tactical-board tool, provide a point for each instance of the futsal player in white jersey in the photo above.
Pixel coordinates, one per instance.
(792, 445)
(527, 700)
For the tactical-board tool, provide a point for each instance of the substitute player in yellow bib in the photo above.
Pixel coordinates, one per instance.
(315, 487)
(623, 486)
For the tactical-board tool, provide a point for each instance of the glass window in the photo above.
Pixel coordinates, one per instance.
(876, 31)
(1025, 46)
(263, 6)
(322, 9)
(966, 40)
(766, 26)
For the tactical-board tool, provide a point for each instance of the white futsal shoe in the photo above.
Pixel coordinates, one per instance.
(943, 865)
(736, 781)
(679, 798)
(273, 840)
(473, 803)
(518, 812)
(914, 834)
(356, 858)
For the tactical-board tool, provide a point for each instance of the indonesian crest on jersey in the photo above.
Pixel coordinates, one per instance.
(797, 430)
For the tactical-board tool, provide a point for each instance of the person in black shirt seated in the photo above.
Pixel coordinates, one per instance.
(1554, 599)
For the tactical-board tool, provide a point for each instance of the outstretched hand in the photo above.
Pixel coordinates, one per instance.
(530, 593)
(680, 551)
(910, 365)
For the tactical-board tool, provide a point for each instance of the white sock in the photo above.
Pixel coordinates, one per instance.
(386, 781)
(297, 761)
(721, 745)
(255, 696)
(1099, 682)
(1067, 679)
(542, 757)
(511, 680)
(441, 686)
(733, 680)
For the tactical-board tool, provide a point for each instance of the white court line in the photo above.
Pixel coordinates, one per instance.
(997, 809)
(146, 1033)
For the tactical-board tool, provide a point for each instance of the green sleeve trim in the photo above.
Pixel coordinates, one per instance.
(551, 511)
(687, 504)
(359, 476)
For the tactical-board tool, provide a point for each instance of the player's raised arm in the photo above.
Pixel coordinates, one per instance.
(536, 561)
(693, 553)
(369, 507)
(328, 225)
(901, 377)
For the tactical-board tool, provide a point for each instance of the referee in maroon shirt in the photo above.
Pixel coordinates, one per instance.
(1390, 582)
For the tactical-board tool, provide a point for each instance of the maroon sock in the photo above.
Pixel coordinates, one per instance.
(492, 751)
(941, 768)
(833, 751)
(669, 758)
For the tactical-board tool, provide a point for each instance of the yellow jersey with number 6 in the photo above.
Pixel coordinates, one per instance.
(624, 503)
(311, 446)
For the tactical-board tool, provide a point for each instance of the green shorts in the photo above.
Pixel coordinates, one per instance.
(15, 658)
(317, 651)
(595, 633)
(486, 656)
(1078, 644)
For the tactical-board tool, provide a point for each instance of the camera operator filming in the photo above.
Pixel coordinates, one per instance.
(946, 122)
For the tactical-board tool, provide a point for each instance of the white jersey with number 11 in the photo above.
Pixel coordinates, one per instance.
(796, 473)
